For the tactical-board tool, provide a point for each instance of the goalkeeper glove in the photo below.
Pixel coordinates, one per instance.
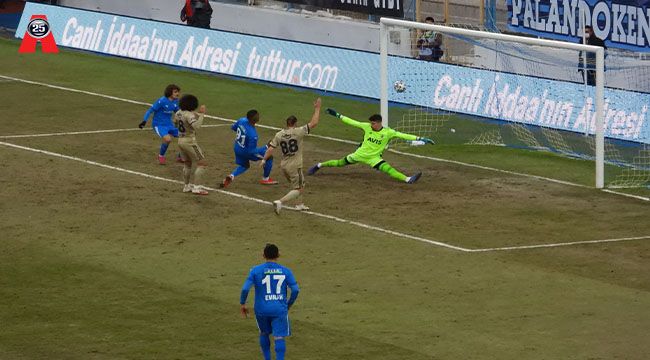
(142, 124)
(426, 140)
(333, 113)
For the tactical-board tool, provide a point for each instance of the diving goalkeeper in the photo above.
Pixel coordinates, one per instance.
(375, 139)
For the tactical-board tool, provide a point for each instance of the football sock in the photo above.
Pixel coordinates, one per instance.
(280, 349)
(265, 344)
(187, 172)
(198, 174)
(333, 163)
(387, 169)
(239, 170)
(267, 167)
(293, 194)
(163, 149)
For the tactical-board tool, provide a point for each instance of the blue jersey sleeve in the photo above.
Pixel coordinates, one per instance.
(246, 288)
(293, 285)
(155, 107)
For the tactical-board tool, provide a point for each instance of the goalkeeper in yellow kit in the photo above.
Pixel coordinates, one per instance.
(375, 139)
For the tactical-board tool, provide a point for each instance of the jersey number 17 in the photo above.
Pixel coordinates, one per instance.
(278, 287)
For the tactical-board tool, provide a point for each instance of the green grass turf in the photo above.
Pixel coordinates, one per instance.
(96, 264)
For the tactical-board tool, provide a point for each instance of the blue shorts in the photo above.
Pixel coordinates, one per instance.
(276, 325)
(244, 159)
(164, 130)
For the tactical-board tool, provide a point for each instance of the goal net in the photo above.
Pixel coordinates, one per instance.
(491, 98)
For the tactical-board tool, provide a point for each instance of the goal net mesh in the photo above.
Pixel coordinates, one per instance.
(477, 96)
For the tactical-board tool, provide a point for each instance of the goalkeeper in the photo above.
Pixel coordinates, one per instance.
(375, 139)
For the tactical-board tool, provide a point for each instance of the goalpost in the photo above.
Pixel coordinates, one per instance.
(533, 89)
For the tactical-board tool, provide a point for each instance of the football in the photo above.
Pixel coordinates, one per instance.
(399, 86)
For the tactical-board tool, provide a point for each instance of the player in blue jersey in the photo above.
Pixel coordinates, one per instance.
(163, 110)
(271, 281)
(246, 149)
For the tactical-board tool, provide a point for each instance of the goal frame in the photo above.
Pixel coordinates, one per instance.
(386, 23)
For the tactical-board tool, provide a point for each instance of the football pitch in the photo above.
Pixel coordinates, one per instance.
(103, 257)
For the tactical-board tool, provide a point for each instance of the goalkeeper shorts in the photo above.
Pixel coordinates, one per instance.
(372, 161)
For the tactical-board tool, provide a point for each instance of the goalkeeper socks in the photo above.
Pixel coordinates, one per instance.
(267, 168)
(163, 149)
(333, 163)
(280, 349)
(387, 169)
(187, 172)
(265, 344)
(198, 174)
(238, 171)
(293, 194)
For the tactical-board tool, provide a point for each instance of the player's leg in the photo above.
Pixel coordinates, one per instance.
(174, 132)
(201, 165)
(383, 166)
(164, 145)
(347, 160)
(268, 166)
(295, 177)
(187, 167)
(281, 329)
(243, 164)
(264, 324)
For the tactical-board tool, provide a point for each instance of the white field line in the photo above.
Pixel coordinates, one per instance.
(638, 197)
(21, 136)
(321, 215)
(487, 168)
(240, 196)
(573, 243)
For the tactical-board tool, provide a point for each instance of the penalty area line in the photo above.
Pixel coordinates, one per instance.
(571, 243)
(240, 196)
(325, 216)
(460, 163)
(22, 136)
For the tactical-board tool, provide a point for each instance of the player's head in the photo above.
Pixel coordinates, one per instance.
(271, 252)
(589, 31)
(375, 122)
(188, 103)
(292, 121)
(172, 91)
(429, 20)
(253, 116)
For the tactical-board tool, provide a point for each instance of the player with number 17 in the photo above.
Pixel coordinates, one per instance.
(271, 281)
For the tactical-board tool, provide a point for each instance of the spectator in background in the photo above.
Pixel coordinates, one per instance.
(590, 63)
(197, 13)
(424, 51)
(431, 40)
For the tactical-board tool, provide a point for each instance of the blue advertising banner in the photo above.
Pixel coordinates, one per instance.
(509, 97)
(620, 23)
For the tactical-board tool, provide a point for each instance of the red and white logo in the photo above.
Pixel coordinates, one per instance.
(38, 30)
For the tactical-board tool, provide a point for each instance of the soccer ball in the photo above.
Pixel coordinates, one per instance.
(399, 86)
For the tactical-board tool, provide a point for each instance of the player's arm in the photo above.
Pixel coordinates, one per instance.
(155, 107)
(197, 122)
(234, 126)
(345, 119)
(244, 294)
(295, 289)
(268, 153)
(410, 137)
(315, 118)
